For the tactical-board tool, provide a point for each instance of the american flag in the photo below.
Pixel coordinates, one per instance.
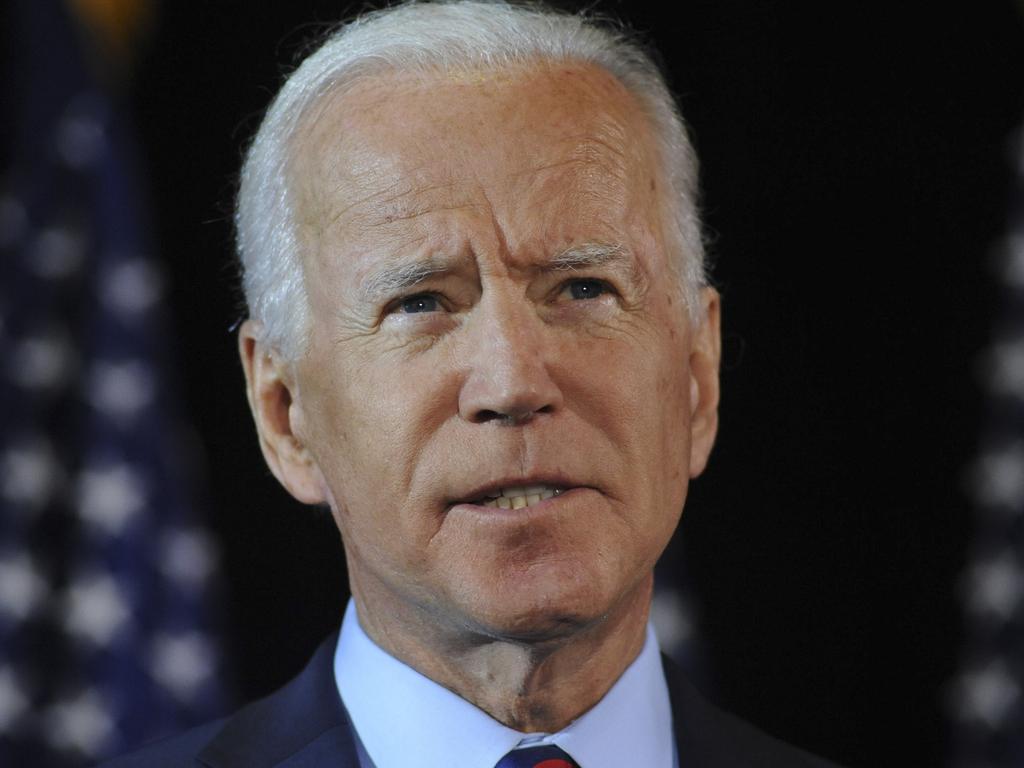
(987, 697)
(676, 615)
(105, 569)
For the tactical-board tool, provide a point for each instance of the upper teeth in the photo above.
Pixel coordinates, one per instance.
(517, 497)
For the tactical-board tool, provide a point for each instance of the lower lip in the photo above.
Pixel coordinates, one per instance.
(540, 508)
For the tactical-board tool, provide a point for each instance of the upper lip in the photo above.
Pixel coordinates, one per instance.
(493, 487)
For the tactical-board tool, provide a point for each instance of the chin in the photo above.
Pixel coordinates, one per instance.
(544, 604)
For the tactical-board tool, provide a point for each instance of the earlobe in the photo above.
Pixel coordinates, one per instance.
(273, 394)
(705, 356)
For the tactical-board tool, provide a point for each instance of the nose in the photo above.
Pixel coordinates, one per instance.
(509, 379)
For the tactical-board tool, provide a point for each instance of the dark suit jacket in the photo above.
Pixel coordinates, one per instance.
(304, 725)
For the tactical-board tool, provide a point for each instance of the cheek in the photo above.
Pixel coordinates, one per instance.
(638, 386)
(655, 378)
(376, 421)
(675, 391)
(670, 440)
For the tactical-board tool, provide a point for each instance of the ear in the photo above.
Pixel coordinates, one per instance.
(273, 393)
(705, 356)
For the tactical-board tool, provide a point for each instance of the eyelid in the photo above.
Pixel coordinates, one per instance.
(606, 283)
(395, 304)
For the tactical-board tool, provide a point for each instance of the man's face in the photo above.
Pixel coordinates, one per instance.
(493, 309)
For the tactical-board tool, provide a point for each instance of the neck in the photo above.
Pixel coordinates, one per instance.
(536, 685)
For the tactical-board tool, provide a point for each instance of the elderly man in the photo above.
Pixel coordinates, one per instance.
(481, 335)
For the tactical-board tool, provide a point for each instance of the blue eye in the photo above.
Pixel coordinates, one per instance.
(421, 302)
(586, 289)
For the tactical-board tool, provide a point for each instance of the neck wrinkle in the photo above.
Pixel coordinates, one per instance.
(531, 687)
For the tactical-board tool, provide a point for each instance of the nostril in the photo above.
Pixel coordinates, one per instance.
(482, 417)
(509, 419)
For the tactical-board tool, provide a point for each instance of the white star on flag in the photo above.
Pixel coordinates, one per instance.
(22, 588)
(29, 474)
(996, 585)
(42, 362)
(671, 618)
(121, 390)
(181, 663)
(83, 724)
(1013, 271)
(13, 701)
(999, 477)
(133, 286)
(111, 496)
(186, 556)
(987, 694)
(96, 609)
(1006, 364)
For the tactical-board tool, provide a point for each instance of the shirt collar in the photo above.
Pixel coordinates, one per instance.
(631, 725)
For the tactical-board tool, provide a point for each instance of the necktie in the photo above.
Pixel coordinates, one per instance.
(547, 756)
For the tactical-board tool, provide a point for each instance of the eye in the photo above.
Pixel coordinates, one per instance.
(421, 302)
(586, 288)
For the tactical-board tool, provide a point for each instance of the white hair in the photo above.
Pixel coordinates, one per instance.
(429, 38)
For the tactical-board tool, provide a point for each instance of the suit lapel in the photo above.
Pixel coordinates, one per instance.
(693, 722)
(305, 725)
(302, 725)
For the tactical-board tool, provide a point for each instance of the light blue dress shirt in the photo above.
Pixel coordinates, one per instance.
(406, 720)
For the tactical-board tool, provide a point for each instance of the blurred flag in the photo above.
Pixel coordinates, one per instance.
(105, 570)
(987, 698)
(676, 613)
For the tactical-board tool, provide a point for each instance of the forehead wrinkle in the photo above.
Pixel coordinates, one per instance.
(340, 171)
(589, 150)
(401, 216)
(588, 173)
(393, 203)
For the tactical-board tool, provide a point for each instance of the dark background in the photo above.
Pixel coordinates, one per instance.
(856, 167)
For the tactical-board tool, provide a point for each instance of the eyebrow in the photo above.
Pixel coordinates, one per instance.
(388, 281)
(398, 278)
(610, 256)
(590, 255)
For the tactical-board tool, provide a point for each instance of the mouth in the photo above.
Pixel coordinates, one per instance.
(517, 496)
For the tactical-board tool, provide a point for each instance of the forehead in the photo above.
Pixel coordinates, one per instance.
(531, 142)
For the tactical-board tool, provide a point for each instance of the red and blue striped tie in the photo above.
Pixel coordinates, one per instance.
(547, 756)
